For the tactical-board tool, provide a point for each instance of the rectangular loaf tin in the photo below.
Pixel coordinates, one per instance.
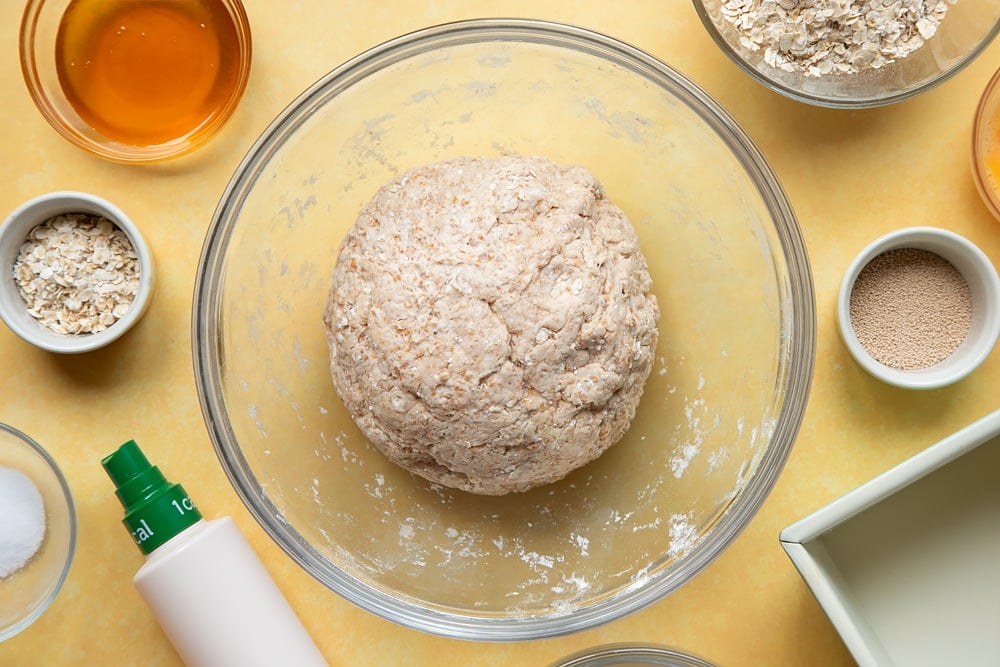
(907, 566)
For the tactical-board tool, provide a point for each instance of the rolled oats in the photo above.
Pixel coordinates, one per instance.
(77, 273)
(821, 37)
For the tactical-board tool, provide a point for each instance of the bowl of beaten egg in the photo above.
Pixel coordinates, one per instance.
(721, 404)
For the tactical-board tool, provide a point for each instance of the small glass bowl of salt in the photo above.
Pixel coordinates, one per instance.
(37, 531)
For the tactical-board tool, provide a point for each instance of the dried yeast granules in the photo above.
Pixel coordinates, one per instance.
(910, 308)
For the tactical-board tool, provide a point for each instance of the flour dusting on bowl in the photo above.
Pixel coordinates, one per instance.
(553, 545)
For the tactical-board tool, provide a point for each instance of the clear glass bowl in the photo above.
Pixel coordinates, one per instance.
(27, 592)
(721, 408)
(631, 655)
(40, 25)
(967, 29)
(986, 145)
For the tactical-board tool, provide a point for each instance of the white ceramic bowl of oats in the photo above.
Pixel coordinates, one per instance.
(76, 272)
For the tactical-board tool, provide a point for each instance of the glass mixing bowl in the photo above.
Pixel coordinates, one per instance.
(721, 407)
(967, 29)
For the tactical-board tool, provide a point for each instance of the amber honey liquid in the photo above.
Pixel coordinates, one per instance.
(144, 72)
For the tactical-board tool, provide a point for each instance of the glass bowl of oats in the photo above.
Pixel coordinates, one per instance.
(851, 54)
(77, 273)
(720, 408)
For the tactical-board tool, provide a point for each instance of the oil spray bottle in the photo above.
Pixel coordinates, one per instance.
(204, 583)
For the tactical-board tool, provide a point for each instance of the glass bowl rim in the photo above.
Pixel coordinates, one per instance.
(796, 373)
(44, 604)
(630, 651)
(837, 102)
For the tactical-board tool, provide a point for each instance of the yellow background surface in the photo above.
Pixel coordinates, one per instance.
(851, 176)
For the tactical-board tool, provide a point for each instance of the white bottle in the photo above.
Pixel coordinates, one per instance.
(203, 581)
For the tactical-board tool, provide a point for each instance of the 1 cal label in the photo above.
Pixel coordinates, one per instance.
(183, 506)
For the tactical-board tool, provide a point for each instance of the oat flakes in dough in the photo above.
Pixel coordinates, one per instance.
(490, 322)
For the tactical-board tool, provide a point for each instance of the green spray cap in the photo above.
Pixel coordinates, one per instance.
(155, 509)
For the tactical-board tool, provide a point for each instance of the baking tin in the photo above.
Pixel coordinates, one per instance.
(907, 566)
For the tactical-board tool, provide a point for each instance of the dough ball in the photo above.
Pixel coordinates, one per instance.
(490, 322)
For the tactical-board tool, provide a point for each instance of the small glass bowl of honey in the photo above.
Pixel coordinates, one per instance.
(136, 80)
(986, 145)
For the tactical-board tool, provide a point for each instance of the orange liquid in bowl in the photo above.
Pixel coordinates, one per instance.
(991, 153)
(146, 72)
(987, 153)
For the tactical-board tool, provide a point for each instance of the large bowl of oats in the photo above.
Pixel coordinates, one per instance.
(851, 53)
(722, 395)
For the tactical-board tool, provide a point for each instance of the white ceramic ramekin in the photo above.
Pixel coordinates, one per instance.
(984, 287)
(14, 231)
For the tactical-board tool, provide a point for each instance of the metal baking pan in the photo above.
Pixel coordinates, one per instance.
(907, 566)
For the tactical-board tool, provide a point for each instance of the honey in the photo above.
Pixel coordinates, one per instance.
(146, 72)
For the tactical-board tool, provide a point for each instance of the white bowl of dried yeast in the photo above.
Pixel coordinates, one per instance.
(76, 272)
(919, 308)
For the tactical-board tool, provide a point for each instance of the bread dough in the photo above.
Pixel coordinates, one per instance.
(490, 322)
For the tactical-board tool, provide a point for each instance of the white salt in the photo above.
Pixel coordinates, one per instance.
(22, 520)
